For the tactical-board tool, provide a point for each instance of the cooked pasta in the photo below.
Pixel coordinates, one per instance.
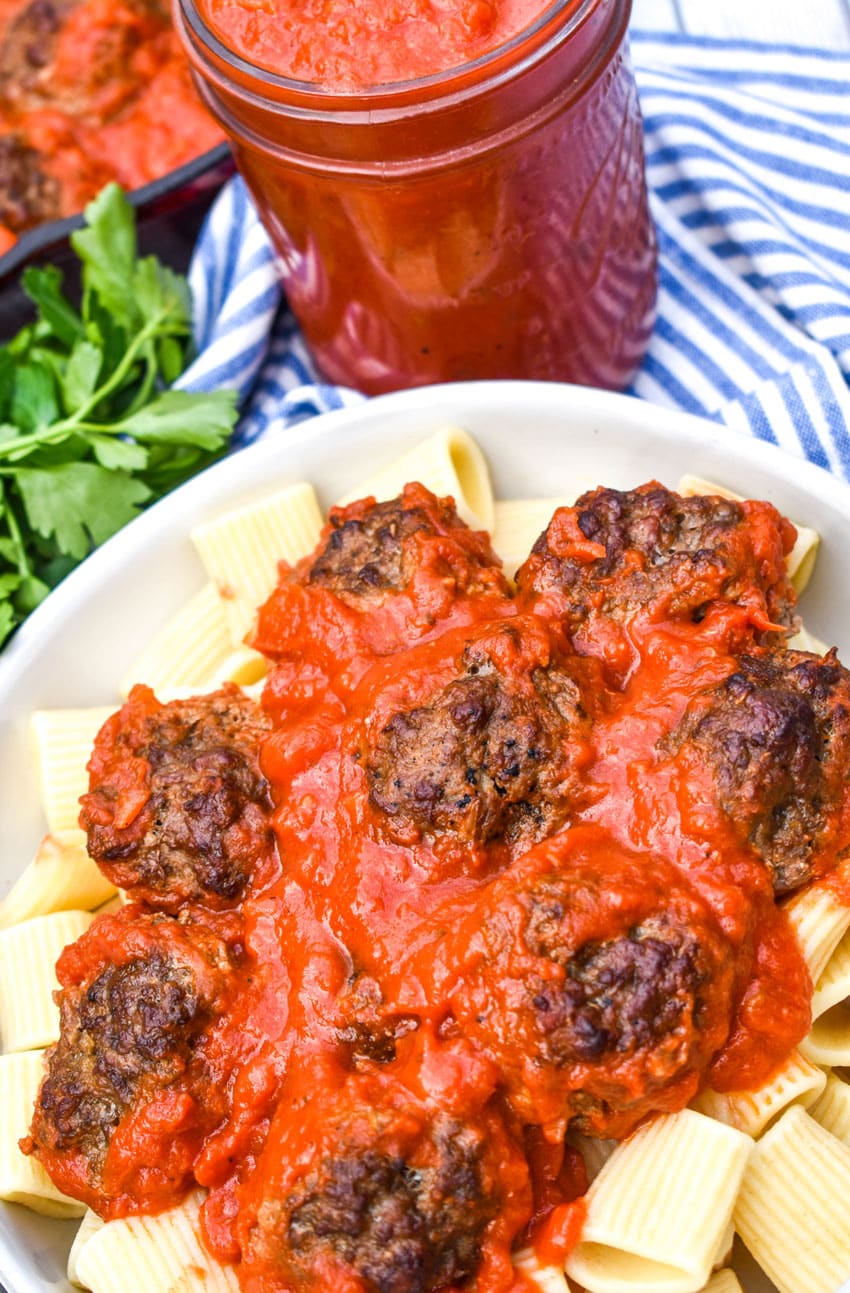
(241, 549)
(448, 462)
(820, 921)
(832, 1108)
(792, 1209)
(518, 523)
(88, 1227)
(188, 650)
(723, 1282)
(829, 1040)
(659, 1210)
(661, 1200)
(63, 741)
(796, 1082)
(61, 877)
(29, 1017)
(23, 1179)
(160, 1254)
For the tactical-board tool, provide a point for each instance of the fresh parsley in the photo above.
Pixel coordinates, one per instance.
(89, 432)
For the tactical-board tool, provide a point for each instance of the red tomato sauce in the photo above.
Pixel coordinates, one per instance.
(340, 44)
(90, 92)
(382, 1011)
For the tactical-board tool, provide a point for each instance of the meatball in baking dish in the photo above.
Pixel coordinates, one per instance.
(775, 738)
(369, 1189)
(178, 808)
(598, 982)
(370, 549)
(493, 754)
(649, 552)
(27, 195)
(139, 993)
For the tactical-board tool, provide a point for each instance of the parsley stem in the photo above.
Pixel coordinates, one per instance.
(22, 562)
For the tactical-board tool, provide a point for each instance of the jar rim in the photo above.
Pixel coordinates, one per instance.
(547, 30)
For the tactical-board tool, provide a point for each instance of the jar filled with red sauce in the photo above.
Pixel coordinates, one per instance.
(455, 189)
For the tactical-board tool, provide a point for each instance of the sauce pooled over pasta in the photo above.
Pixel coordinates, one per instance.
(486, 867)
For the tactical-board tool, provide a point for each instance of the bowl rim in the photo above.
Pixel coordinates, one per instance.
(692, 428)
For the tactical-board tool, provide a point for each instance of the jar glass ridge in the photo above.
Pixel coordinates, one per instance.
(485, 221)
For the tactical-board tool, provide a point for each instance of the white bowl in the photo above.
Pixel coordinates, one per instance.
(540, 439)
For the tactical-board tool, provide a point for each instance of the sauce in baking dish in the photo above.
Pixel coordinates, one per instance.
(90, 91)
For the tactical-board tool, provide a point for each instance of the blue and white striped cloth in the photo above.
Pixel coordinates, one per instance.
(748, 159)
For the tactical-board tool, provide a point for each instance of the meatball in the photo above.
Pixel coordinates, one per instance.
(617, 554)
(95, 84)
(370, 549)
(775, 738)
(368, 1032)
(138, 994)
(177, 807)
(387, 1193)
(494, 755)
(27, 195)
(598, 982)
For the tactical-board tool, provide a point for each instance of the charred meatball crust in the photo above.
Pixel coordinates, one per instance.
(494, 755)
(178, 808)
(139, 992)
(370, 549)
(775, 736)
(399, 1197)
(598, 982)
(653, 549)
(32, 76)
(27, 195)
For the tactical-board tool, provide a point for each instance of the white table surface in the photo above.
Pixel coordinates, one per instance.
(793, 22)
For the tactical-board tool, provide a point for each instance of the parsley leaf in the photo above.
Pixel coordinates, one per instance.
(89, 431)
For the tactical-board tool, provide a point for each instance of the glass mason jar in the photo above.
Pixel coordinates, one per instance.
(488, 221)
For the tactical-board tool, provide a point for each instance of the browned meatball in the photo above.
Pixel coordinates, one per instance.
(178, 808)
(27, 195)
(775, 736)
(618, 553)
(367, 1032)
(32, 77)
(402, 1230)
(493, 755)
(138, 993)
(370, 549)
(386, 1195)
(599, 983)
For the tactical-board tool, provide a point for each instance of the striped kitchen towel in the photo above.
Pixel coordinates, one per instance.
(748, 160)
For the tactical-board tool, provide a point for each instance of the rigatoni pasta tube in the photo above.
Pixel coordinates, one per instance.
(64, 740)
(29, 1017)
(723, 1282)
(829, 1040)
(187, 650)
(448, 462)
(160, 1254)
(518, 524)
(88, 1227)
(659, 1209)
(61, 877)
(22, 1178)
(241, 550)
(820, 922)
(792, 1208)
(832, 1109)
(796, 1082)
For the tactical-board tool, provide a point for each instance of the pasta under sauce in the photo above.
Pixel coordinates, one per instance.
(510, 862)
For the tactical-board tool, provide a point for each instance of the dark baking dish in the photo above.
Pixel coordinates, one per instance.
(169, 214)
